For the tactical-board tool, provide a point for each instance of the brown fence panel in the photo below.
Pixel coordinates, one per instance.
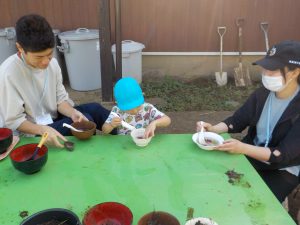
(172, 25)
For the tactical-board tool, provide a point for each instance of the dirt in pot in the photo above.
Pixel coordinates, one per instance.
(161, 218)
(55, 222)
(199, 223)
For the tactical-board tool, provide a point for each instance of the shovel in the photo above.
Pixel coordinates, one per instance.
(221, 77)
(241, 74)
(265, 26)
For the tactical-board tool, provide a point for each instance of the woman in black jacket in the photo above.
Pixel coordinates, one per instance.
(271, 114)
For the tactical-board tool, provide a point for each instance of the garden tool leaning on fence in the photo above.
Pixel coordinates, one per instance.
(265, 26)
(221, 77)
(241, 73)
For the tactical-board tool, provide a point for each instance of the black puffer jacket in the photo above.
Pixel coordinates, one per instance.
(286, 133)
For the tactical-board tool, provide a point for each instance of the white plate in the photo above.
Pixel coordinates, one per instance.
(211, 136)
(205, 221)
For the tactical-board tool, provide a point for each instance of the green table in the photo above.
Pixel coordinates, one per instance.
(171, 174)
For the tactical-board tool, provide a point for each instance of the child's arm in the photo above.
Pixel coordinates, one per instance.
(164, 121)
(108, 127)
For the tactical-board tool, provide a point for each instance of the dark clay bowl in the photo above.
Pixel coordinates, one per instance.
(112, 213)
(21, 154)
(6, 138)
(53, 215)
(88, 128)
(158, 218)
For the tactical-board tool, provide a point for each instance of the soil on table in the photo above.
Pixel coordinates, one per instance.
(234, 177)
(23, 214)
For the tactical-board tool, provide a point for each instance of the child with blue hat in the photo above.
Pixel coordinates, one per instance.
(132, 108)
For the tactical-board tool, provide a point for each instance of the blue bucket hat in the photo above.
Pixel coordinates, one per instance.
(128, 94)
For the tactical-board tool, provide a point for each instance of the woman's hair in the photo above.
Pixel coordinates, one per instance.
(34, 33)
(290, 67)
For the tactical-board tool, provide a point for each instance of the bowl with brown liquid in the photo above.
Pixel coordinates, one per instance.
(212, 140)
(88, 129)
(138, 137)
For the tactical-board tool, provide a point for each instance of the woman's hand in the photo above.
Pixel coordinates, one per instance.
(232, 146)
(205, 125)
(218, 128)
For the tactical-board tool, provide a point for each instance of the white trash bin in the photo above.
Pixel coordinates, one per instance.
(7, 43)
(131, 59)
(82, 56)
(59, 55)
(56, 53)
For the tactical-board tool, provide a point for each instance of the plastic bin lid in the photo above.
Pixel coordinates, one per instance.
(129, 46)
(8, 31)
(80, 34)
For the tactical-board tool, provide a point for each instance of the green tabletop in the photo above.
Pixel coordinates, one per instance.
(170, 174)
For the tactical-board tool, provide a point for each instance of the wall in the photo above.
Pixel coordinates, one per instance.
(172, 25)
(191, 67)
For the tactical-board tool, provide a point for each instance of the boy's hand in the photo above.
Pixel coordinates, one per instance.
(54, 136)
(149, 132)
(78, 116)
(115, 122)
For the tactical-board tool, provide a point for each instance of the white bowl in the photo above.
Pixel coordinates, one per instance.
(137, 136)
(209, 136)
(204, 221)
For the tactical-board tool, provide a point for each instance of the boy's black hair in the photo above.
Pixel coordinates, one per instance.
(34, 33)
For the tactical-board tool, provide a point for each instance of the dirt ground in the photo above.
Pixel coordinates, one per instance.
(185, 122)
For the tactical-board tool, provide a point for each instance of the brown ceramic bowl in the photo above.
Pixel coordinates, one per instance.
(158, 217)
(6, 138)
(88, 128)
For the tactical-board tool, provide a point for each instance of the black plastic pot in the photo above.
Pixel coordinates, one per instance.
(52, 214)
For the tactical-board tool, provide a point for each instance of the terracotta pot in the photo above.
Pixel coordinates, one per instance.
(158, 218)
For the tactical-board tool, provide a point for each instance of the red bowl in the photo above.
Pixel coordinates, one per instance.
(21, 154)
(112, 213)
(6, 138)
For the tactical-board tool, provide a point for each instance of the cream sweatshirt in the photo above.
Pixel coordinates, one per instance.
(26, 92)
